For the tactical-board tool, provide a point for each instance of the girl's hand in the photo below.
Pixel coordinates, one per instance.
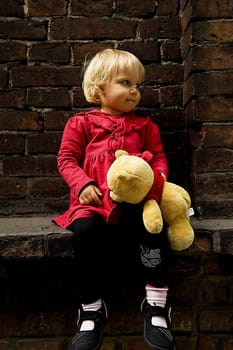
(90, 195)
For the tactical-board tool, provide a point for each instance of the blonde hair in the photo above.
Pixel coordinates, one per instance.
(103, 66)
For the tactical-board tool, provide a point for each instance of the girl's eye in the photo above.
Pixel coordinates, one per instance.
(125, 82)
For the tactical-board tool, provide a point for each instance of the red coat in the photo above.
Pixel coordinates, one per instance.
(87, 150)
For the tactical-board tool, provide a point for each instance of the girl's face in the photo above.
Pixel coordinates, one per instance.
(121, 93)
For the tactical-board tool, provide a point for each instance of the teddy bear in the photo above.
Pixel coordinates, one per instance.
(130, 179)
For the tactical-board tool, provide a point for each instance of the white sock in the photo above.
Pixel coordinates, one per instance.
(157, 297)
(89, 325)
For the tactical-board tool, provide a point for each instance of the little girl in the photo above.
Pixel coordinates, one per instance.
(106, 232)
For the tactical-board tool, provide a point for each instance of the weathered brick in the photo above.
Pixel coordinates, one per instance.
(49, 98)
(25, 30)
(45, 76)
(5, 345)
(226, 243)
(50, 52)
(171, 95)
(170, 50)
(12, 187)
(169, 73)
(213, 31)
(212, 9)
(211, 109)
(46, 187)
(79, 98)
(207, 58)
(43, 8)
(30, 166)
(10, 51)
(12, 8)
(182, 319)
(56, 120)
(186, 15)
(43, 143)
(208, 84)
(214, 185)
(161, 27)
(136, 343)
(217, 320)
(20, 120)
(92, 28)
(212, 160)
(84, 8)
(168, 8)
(38, 344)
(12, 98)
(82, 51)
(149, 96)
(220, 136)
(128, 8)
(207, 342)
(146, 52)
(11, 144)
(3, 78)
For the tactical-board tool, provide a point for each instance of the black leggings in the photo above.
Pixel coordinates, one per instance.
(104, 252)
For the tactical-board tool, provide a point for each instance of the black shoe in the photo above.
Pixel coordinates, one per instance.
(156, 338)
(90, 340)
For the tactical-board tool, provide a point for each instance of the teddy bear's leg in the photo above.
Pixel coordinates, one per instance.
(180, 233)
(152, 216)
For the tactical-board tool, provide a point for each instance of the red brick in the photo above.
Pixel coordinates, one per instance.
(181, 319)
(12, 98)
(10, 144)
(211, 109)
(25, 30)
(212, 160)
(216, 319)
(207, 342)
(160, 27)
(46, 187)
(30, 166)
(214, 185)
(171, 95)
(57, 98)
(12, 187)
(163, 74)
(50, 52)
(88, 8)
(20, 120)
(220, 136)
(133, 343)
(92, 28)
(208, 84)
(145, 51)
(136, 8)
(41, 8)
(171, 50)
(82, 51)
(56, 120)
(10, 51)
(3, 78)
(43, 143)
(213, 31)
(212, 9)
(45, 76)
(168, 8)
(12, 8)
(150, 96)
(39, 344)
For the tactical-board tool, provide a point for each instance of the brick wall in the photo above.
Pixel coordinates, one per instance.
(207, 96)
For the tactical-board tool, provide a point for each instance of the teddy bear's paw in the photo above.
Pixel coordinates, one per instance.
(180, 233)
(152, 217)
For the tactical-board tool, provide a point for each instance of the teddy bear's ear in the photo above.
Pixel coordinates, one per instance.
(120, 152)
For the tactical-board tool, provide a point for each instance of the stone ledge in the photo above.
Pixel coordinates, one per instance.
(38, 236)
